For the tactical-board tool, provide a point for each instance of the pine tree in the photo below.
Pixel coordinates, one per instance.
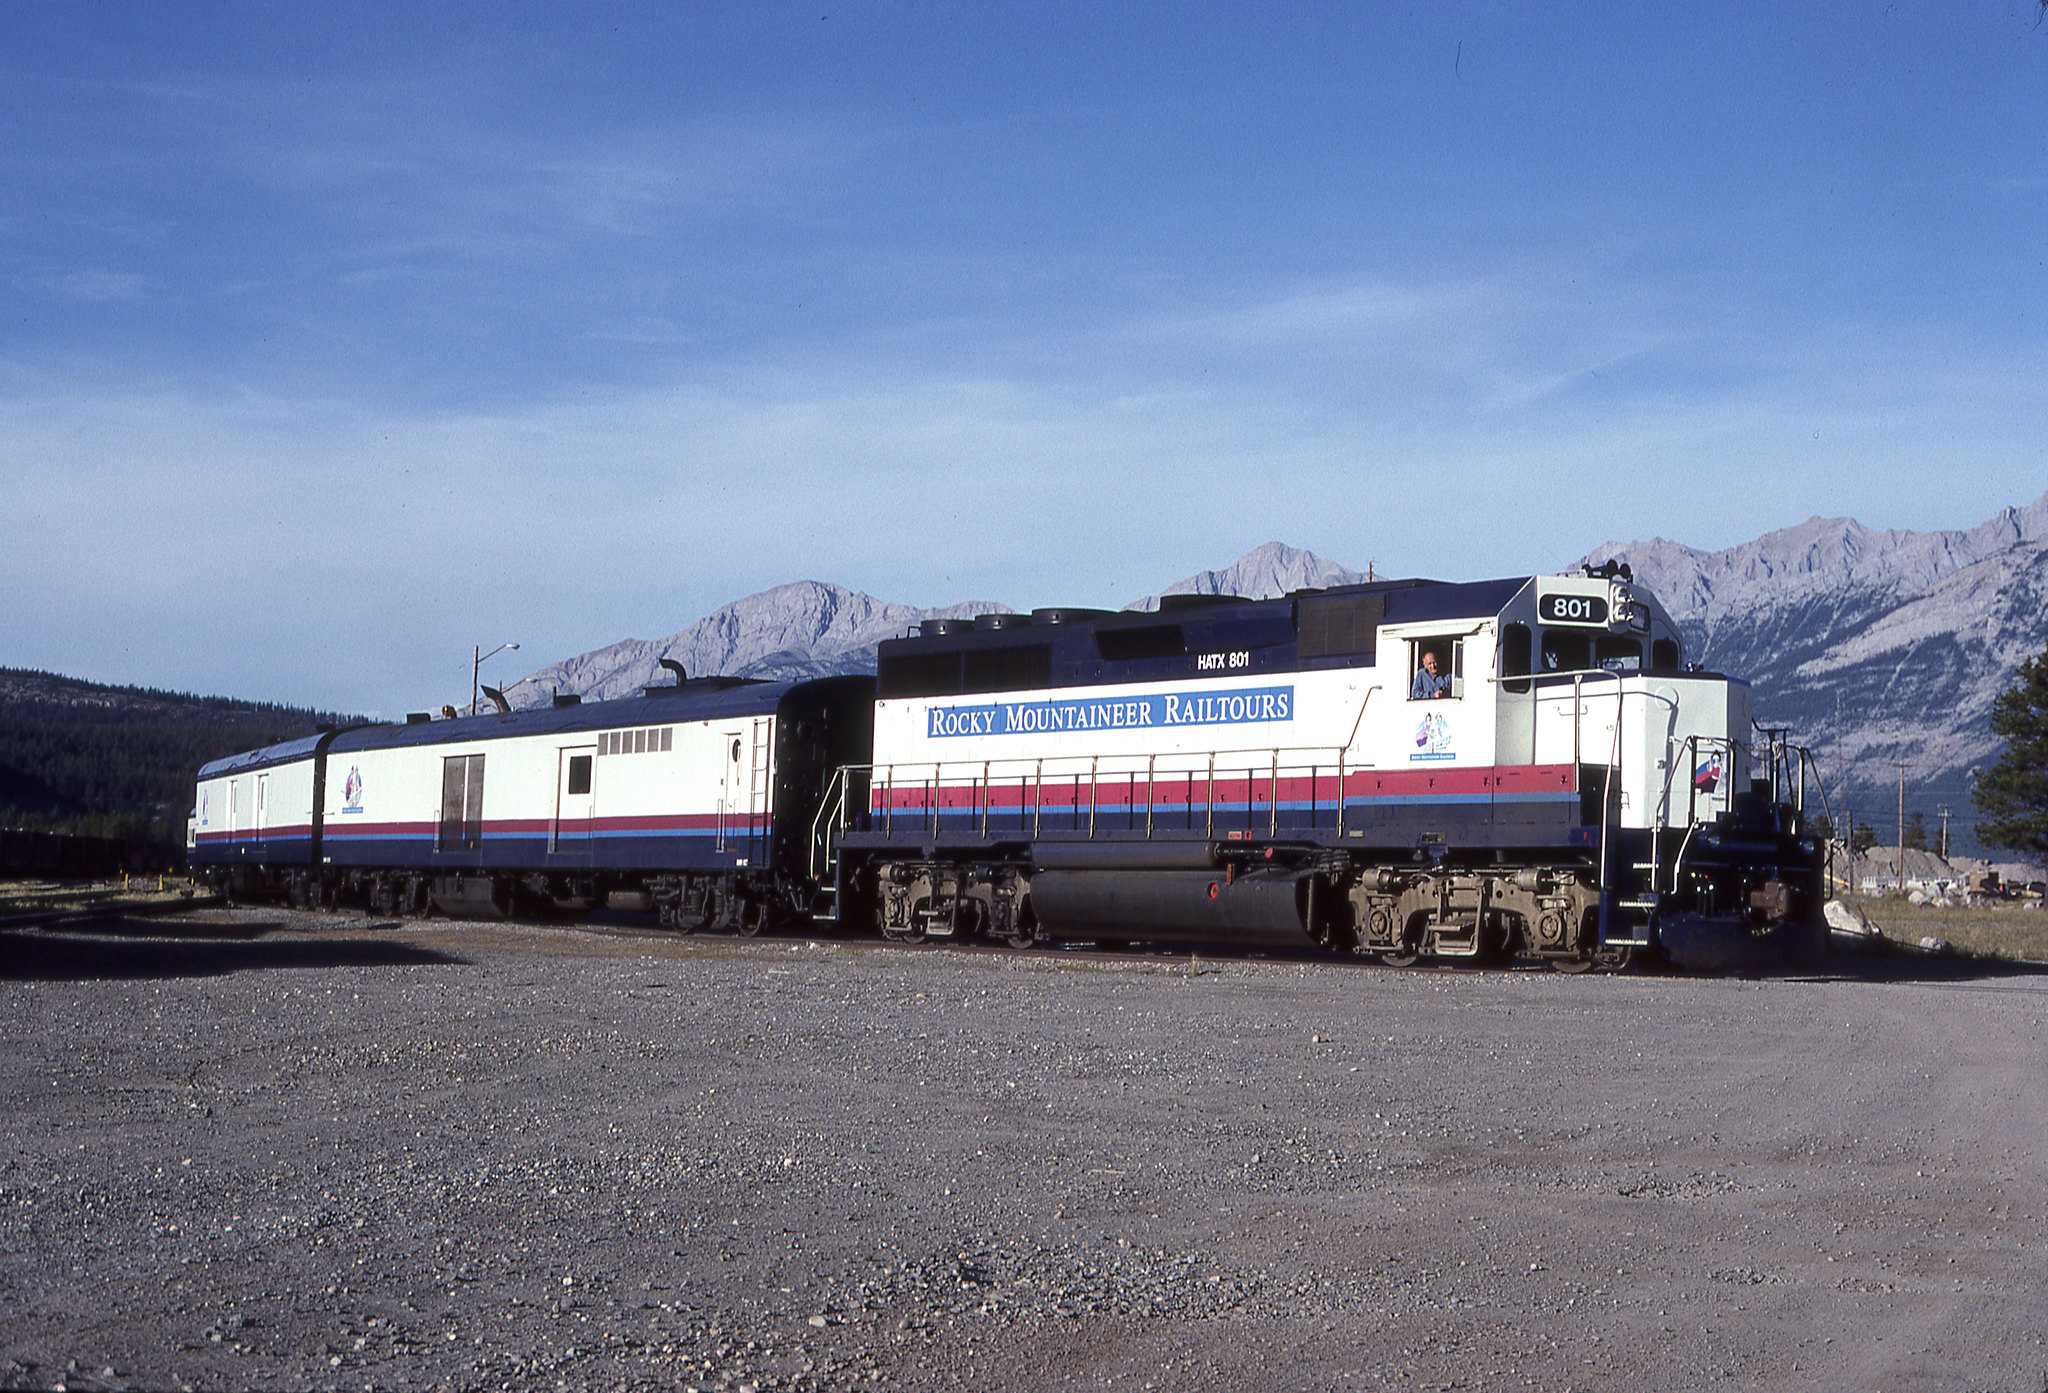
(2013, 793)
(1916, 831)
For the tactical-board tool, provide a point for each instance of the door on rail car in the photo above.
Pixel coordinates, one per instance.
(743, 790)
(574, 800)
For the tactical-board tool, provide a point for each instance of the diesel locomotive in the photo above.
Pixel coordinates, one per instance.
(1406, 769)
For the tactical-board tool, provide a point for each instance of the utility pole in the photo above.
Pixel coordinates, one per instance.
(1902, 828)
(1944, 831)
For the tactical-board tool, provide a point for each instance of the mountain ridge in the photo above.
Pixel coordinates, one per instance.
(1876, 646)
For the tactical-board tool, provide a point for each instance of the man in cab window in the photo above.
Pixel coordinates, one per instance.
(1429, 683)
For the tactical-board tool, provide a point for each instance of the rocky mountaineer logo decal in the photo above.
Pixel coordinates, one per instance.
(1163, 710)
(1433, 738)
(352, 792)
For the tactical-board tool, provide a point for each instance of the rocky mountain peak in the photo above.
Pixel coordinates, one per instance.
(1263, 573)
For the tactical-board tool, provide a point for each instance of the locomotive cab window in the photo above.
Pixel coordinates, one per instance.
(1437, 668)
(1573, 650)
(1567, 650)
(1516, 653)
(1618, 654)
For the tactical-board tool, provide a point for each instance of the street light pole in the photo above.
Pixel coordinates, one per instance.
(476, 662)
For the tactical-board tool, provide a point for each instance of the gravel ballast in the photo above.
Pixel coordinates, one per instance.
(257, 1149)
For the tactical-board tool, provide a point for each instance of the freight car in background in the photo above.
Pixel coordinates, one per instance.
(1406, 769)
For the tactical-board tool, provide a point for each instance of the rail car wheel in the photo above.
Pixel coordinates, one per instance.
(720, 909)
(750, 917)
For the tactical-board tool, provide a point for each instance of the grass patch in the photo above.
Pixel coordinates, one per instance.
(2004, 931)
(38, 896)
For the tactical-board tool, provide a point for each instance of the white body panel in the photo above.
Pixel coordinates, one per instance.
(253, 812)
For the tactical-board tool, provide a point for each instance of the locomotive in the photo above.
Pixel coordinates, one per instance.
(1404, 769)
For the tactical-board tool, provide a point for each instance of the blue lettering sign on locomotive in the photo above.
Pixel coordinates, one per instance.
(1153, 711)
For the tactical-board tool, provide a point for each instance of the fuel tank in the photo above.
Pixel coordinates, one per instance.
(1189, 906)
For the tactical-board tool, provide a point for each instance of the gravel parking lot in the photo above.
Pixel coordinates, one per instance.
(253, 1149)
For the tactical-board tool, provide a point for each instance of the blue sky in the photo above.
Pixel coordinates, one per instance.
(339, 339)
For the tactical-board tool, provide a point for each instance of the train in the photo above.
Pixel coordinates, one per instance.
(1516, 770)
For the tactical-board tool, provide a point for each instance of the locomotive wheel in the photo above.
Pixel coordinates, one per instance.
(1410, 951)
(1589, 955)
(749, 918)
(1492, 943)
(1618, 960)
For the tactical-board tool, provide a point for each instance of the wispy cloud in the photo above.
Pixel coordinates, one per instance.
(1025, 479)
(87, 286)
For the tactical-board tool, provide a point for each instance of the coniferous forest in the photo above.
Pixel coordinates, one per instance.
(97, 761)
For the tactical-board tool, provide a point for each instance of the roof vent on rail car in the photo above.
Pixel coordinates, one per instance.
(1173, 602)
(673, 666)
(1001, 621)
(1065, 615)
(567, 699)
(935, 628)
(418, 718)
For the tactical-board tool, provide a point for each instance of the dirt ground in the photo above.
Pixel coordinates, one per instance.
(252, 1149)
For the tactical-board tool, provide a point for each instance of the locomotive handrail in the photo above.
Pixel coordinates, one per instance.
(832, 802)
(932, 782)
(1692, 747)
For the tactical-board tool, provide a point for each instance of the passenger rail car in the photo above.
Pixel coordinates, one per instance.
(1404, 769)
(696, 800)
